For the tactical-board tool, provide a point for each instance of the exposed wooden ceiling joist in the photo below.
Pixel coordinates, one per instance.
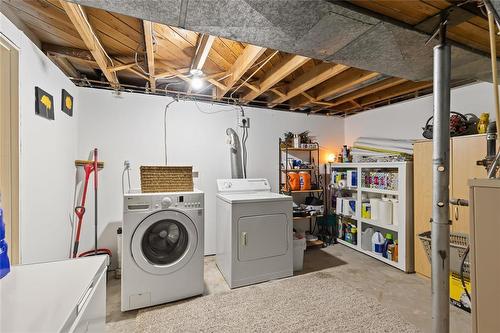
(369, 101)
(278, 72)
(240, 66)
(121, 67)
(308, 80)
(75, 46)
(401, 89)
(246, 81)
(173, 71)
(82, 25)
(70, 52)
(335, 85)
(65, 66)
(373, 88)
(148, 41)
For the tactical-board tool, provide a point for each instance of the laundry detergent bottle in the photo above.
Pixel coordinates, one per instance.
(388, 241)
(378, 242)
(4, 258)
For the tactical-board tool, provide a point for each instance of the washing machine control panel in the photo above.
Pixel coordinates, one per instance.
(180, 201)
(147, 203)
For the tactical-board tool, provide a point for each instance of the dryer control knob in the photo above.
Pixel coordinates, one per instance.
(166, 202)
(227, 184)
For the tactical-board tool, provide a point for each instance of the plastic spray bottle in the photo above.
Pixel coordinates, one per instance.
(388, 241)
(4, 258)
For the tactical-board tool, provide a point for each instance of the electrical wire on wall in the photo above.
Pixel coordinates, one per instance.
(165, 120)
(230, 107)
(165, 128)
(244, 139)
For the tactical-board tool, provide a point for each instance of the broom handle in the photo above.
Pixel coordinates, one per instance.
(493, 48)
(95, 200)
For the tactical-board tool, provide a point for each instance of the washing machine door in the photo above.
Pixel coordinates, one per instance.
(164, 242)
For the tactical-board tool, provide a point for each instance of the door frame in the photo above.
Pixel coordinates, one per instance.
(9, 144)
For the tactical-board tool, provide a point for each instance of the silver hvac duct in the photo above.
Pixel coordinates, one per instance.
(235, 154)
(441, 170)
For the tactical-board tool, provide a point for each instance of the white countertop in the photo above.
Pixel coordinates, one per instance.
(43, 297)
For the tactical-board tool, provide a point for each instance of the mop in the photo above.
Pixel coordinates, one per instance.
(88, 167)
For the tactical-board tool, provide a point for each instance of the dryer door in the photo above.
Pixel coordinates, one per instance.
(164, 242)
(262, 236)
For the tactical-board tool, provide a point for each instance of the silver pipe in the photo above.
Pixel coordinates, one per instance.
(459, 202)
(441, 170)
(492, 172)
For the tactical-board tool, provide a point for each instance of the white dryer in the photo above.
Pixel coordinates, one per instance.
(254, 232)
(162, 241)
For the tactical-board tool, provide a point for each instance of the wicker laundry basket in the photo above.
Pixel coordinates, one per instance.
(458, 245)
(166, 179)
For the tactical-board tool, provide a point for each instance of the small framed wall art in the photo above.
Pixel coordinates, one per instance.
(44, 104)
(67, 103)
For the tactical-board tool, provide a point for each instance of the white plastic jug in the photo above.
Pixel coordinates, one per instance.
(385, 211)
(378, 241)
(339, 206)
(374, 208)
(366, 239)
(395, 211)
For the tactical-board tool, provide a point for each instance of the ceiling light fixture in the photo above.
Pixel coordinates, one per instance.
(196, 72)
(196, 80)
(196, 83)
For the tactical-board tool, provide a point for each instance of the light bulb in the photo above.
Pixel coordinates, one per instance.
(196, 83)
(331, 158)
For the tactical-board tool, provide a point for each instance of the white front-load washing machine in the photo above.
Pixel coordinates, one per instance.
(162, 241)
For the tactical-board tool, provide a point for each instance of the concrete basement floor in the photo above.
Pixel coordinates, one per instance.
(409, 294)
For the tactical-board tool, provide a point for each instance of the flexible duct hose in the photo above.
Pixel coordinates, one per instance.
(235, 154)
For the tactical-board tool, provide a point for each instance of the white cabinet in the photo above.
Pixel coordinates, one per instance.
(92, 308)
(485, 266)
(59, 296)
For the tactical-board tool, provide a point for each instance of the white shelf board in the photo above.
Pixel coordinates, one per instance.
(344, 165)
(343, 242)
(385, 260)
(352, 217)
(345, 188)
(380, 225)
(369, 253)
(378, 190)
(370, 165)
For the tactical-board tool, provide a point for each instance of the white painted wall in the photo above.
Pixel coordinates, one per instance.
(130, 127)
(405, 120)
(47, 154)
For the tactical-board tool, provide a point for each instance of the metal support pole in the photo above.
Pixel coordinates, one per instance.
(441, 180)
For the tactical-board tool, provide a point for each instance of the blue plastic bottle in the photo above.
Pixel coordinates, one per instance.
(4, 258)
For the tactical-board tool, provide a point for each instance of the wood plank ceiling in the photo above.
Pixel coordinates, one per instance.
(103, 49)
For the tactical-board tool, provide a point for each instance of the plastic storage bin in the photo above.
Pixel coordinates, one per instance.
(299, 246)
